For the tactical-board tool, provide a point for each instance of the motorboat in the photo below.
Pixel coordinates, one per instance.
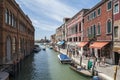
(64, 58)
(36, 48)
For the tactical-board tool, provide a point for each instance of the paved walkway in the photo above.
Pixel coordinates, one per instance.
(106, 71)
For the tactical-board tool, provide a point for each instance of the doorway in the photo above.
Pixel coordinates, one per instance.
(117, 57)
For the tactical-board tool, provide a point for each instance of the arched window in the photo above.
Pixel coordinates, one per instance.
(109, 26)
(8, 49)
(7, 16)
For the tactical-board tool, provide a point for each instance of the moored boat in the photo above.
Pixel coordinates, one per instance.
(36, 48)
(64, 58)
(81, 70)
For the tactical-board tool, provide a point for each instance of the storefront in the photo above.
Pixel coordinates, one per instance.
(102, 49)
(82, 47)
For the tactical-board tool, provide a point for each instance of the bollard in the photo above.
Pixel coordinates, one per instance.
(115, 72)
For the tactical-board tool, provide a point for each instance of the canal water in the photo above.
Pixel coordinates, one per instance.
(46, 66)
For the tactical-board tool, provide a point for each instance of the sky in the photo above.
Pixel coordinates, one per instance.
(47, 15)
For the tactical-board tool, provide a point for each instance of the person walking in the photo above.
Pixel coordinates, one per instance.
(103, 60)
(98, 61)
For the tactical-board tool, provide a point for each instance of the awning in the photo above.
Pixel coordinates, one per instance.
(82, 44)
(116, 49)
(98, 45)
(62, 42)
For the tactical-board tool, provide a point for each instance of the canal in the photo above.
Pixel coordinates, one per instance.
(46, 66)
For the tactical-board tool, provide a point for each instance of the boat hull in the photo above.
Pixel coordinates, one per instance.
(82, 72)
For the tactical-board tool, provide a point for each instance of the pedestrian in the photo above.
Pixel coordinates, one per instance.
(98, 61)
(103, 60)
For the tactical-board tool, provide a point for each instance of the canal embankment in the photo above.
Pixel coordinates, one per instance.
(105, 72)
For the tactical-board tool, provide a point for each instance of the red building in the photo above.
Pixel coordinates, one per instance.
(75, 30)
(98, 30)
(116, 27)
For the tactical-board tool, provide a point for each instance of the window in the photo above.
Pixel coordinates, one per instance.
(99, 11)
(109, 26)
(10, 17)
(13, 45)
(94, 30)
(109, 5)
(116, 31)
(116, 8)
(7, 16)
(79, 38)
(94, 14)
(88, 18)
(98, 29)
(80, 27)
(12, 20)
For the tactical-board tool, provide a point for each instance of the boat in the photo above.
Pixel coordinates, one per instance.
(44, 49)
(36, 48)
(64, 58)
(81, 70)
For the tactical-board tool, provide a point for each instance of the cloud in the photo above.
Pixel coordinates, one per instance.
(40, 11)
(51, 8)
(44, 25)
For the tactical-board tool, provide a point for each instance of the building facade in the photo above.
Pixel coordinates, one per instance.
(16, 32)
(98, 23)
(116, 27)
(75, 32)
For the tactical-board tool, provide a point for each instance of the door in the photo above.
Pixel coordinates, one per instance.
(116, 58)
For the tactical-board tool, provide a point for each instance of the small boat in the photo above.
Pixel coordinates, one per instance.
(36, 48)
(81, 70)
(64, 58)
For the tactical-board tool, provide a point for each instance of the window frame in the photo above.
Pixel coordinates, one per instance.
(100, 11)
(117, 32)
(100, 28)
(114, 7)
(107, 5)
(107, 26)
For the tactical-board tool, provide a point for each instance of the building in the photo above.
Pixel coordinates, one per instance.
(98, 23)
(16, 32)
(116, 27)
(75, 31)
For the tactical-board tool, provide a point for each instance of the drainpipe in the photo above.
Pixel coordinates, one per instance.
(112, 30)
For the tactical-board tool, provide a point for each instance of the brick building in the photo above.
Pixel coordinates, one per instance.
(116, 27)
(98, 30)
(16, 32)
(75, 30)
